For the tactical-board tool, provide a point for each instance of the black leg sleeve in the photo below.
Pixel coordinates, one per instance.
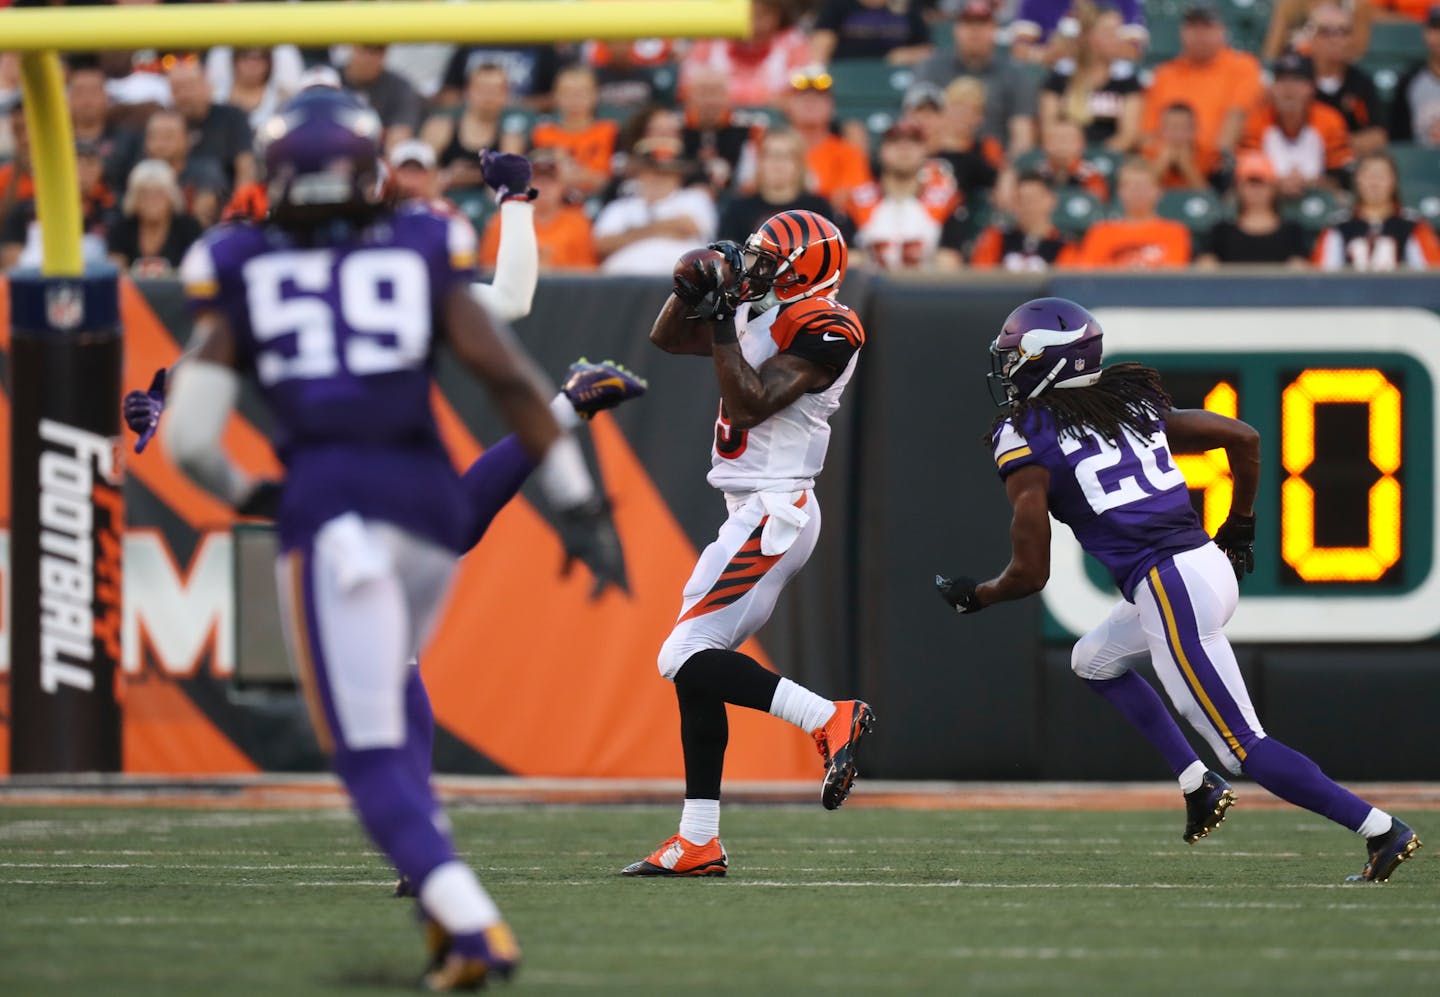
(704, 733)
(728, 676)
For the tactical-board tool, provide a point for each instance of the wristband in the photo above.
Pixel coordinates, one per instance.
(724, 333)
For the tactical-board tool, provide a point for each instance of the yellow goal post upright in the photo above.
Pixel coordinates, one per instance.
(65, 342)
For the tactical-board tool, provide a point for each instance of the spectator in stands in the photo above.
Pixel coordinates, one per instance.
(1341, 84)
(1220, 84)
(646, 232)
(1181, 162)
(779, 186)
(713, 138)
(89, 105)
(414, 171)
(586, 143)
(1010, 111)
(152, 237)
(562, 232)
(459, 139)
(656, 121)
(388, 93)
(1401, 10)
(759, 69)
(924, 107)
(836, 166)
(201, 178)
(1041, 27)
(1063, 165)
(215, 131)
(256, 80)
(16, 182)
(1415, 116)
(1306, 141)
(626, 71)
(903, 222)
(20, 243)
(530, 70)
(893, 30)
(1379, 235)
(1098, 89)
(1140, 239)
(1291, 27)
(973, 159)
(1031, 242)
(1258, 234)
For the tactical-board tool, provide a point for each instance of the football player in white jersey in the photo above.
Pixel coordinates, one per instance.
(783, 350)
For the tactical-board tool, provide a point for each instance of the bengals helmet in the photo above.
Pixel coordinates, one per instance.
(794, 255)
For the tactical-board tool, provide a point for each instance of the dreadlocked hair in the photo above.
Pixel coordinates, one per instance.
(1127, 396)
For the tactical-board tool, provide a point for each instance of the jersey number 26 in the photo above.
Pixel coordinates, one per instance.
(1112, 476)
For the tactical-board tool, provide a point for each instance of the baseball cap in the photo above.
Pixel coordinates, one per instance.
(923, 95)
(1294, 65)
(903, 131)
(1254, 166)
(413, 151)
(976, 10)
(1200, 12)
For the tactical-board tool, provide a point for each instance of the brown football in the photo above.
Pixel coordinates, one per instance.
(698, 272)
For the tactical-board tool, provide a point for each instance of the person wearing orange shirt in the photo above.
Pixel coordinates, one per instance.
(562, 232)
(1181, 162)
(1063, 166)
(904, 220)
(587, 142)
(1306, 141)
(1029, 244)
(836, 167)
(1403, 10)
(1218, 82)
(1141, 239)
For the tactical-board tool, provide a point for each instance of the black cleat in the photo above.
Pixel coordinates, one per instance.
(404, 888)
(838, 742)
(1386, 852)
(1205, 807)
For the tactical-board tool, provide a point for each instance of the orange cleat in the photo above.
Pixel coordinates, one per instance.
(837, 742)
(678, 857)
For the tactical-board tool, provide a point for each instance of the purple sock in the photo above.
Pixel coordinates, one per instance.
(1137, 700)
(419, 723)
(492, 481)
(1296, 779)
(396, 808)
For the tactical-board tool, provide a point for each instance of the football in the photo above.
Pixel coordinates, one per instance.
(698, 272)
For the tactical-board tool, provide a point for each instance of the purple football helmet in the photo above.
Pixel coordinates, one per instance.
(322, 156)
(1045, 343)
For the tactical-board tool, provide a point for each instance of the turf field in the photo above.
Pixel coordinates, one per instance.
(145, 900)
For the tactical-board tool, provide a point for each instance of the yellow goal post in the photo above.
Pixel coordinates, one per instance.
(39, 34)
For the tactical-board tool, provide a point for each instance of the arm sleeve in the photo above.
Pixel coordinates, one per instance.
(517, 264)
(202, 396)
(1012, 450)
(198, 276)
(461, 255)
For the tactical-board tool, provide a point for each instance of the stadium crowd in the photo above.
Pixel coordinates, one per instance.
(939, 134)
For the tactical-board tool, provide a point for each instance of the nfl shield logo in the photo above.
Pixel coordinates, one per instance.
(64, 306)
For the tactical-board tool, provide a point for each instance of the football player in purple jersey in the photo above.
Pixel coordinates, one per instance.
(1090, 445)
(334, 308)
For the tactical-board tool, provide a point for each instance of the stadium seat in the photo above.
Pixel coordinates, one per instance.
(476, 204)
(1396, 41)
(1198, 210)
(1415, 163)
(1314, 211)
(1424, 197)
(1106, 162)
(1077, 210)
(869, 84)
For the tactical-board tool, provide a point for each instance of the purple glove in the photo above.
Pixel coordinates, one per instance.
(509, 173)
(142, 410)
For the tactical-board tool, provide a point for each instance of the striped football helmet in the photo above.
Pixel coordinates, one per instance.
(794, 255)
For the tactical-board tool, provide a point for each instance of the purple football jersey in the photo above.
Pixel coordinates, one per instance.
(340, 339)
(1127, 504)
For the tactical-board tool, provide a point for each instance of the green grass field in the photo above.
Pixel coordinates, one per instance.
(129, 900)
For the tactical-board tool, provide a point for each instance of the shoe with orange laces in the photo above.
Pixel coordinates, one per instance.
(837, 742)
(453, 971)
(678, 857)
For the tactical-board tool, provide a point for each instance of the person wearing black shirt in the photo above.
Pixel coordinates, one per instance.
(1258, 234)
(155, 233)
(1341, 84)
(1097, 90)
(780, 183)
(871, 29)
(217, 131)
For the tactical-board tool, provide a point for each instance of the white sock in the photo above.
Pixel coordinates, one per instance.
(1377, 821)
(453, 896)
(564, 412)
(700, 821)
(800, 706)
(1192, 777)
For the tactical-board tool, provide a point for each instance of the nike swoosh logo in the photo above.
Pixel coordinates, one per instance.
(830, 337)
